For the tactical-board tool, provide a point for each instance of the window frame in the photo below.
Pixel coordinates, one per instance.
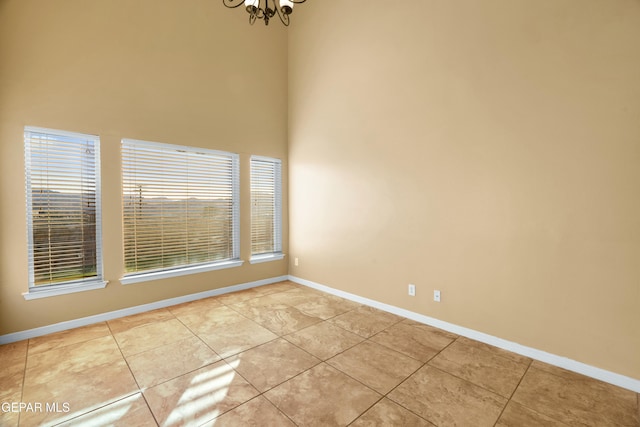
(185, 269)
(68, 286)
(277, 253)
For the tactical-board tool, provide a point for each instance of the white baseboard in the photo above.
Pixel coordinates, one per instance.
(552, 359)
(84, 321)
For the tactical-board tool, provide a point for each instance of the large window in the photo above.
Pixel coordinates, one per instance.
(266, 209)
(181, 210)
(63, 210)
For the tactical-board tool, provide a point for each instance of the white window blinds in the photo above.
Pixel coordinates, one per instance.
(181, 206)
(266, 206)
(63, 207)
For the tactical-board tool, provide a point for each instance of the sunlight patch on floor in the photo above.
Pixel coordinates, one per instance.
(207, 389)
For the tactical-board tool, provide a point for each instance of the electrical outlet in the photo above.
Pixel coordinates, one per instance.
(412, 290)
(295, 261)
(436, 296)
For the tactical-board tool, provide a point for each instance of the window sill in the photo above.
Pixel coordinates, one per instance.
(145, 277)
(266, 258)
(64, 289)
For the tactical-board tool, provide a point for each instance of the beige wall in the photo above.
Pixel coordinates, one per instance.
(191, 73)
(489, 149)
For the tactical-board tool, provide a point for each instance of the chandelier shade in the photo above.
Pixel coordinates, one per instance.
(265, 9)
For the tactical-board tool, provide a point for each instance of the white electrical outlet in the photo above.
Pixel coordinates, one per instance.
(412, 290)
(295, 261)
(436, 296)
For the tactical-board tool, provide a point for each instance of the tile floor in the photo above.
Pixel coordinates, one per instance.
(286, 355)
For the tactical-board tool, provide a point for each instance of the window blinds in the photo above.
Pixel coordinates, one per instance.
(181, 206)
(63, 207)
(266, 206)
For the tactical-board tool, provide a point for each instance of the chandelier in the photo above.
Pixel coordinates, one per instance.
(256, 10)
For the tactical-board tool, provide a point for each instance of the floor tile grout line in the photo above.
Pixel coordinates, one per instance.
(330, 357)
(60, 347)
(270, 341)
(227, 411)
(355, 333)
(81, 342)
(413, 373)
(513, 392)
(230, 409)
(366, 410)
(325, 361)
(386, 346)
(305, 350)
(278, 409)
(250, 348)
(140, 389)
(144, 325)
(263, 393)
(108, 322)
(97, 408)
(398, 385)
(315, 366)
(400, 404)
(282, 303)
(24, 377)
(199, 338)
(244, 300)
(293, 344)
(344, 329)
(143, 389)
(289, 305)
(282, 382)
(125, 360)
(467, 380)
(234, 354)
(247, 317)
(524, 405)
(579, 376)
(146, 402)
(549, 373)
(497, 352)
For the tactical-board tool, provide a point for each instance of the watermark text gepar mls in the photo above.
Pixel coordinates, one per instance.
(60, 407)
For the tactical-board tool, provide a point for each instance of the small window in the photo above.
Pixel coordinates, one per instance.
(181, 210)
(63, 210)
(266, 209)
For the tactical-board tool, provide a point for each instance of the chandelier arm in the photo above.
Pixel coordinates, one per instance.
(284, 18)
(231, 4)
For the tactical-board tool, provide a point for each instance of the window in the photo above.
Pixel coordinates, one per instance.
(266, 209)
(181, 210)
(63, 211)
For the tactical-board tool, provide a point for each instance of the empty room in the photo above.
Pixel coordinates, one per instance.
(319, 213)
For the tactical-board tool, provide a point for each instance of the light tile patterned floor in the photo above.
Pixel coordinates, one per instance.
(286, 355)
